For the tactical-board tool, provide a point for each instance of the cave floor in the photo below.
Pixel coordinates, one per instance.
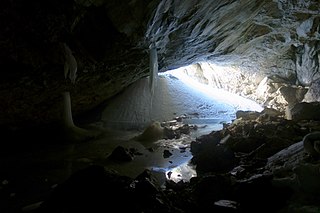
(29, 171)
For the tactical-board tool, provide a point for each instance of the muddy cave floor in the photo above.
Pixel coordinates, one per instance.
(33, 164)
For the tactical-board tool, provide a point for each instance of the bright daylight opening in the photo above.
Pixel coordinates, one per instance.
(177, 94)
(207, 90)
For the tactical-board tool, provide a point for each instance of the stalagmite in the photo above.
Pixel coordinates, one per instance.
(152, 133)
(72, 132)
(67, 113)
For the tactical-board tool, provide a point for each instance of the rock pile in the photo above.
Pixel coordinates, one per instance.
(255, 164)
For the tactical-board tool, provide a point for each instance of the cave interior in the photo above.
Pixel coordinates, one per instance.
(160, 106)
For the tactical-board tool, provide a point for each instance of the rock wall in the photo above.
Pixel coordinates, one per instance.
(271, 47)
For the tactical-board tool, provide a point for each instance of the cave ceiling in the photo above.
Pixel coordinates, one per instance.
(110, 42)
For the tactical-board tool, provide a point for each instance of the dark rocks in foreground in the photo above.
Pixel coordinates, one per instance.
(95, 189)
(256, 164)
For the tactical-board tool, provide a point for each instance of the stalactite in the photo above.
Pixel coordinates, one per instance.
(153, 76)
(152, 35)
(70, 65)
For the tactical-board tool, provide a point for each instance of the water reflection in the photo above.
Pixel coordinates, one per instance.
(184, 172)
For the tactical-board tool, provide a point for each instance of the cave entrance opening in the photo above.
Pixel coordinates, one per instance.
(180, 97)
(189, 92)
(214, 104)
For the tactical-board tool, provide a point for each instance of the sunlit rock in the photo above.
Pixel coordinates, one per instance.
(313, 93)
(307, 63)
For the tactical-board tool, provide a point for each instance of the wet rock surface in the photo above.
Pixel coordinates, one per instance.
(256, 164)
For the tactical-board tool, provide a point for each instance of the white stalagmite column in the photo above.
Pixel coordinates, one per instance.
(73, 132)
(67, 113)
